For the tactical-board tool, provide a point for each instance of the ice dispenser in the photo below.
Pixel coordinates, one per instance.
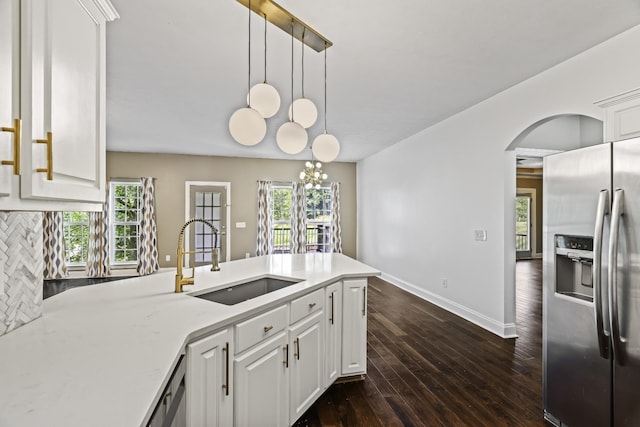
(574, 257)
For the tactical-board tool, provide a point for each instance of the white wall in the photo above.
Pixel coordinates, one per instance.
(420, 200)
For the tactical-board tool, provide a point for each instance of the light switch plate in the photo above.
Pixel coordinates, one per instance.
(481, 235)
(241, 225)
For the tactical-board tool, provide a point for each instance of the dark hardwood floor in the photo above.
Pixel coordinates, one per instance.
(428, 367)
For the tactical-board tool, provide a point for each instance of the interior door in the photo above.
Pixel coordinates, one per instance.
(208, 203)
(523, 226)
(626, 176)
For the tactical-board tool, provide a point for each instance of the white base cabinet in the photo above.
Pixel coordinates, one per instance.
(208, 381)
(262, 384)
(307, 364)
(354, 327)
(282, 359)
(333, 342)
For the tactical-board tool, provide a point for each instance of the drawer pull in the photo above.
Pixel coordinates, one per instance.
(311, 305)
(267, 329)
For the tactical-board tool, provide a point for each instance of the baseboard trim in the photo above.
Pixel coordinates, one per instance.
(503, 330)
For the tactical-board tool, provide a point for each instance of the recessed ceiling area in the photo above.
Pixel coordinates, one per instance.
(176, 71)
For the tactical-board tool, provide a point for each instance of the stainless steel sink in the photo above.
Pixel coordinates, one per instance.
(247, 290)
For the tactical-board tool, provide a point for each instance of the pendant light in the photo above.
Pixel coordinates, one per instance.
(325, 147)
(291, 136)
(264, 97)
(306, 111)
(246, 125)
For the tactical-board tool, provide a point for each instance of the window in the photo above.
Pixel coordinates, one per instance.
(317, 212)
(76, 238)
(125, 222)
(281, 218)
(124, 219)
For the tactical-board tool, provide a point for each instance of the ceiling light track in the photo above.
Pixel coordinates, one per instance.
(282, 19)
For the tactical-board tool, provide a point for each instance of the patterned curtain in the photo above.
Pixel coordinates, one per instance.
(298, 218)
(53, 246)
(265, 230)
(148, 237)
(98, 250)
(336, 231)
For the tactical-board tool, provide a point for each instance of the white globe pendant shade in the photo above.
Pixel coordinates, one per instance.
(326, 147)
(247, 126)
(291, 138)
(264, 99)
(303, 111)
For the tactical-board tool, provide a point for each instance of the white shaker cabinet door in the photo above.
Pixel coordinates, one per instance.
(333, 324)
(306, 339)
(9, 94)
(63, 100)
(209, 378)
(354, 324)
(262, 384)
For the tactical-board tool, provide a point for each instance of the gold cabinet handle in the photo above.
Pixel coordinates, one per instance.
(17, 136)
(297, 349)
(364, 300)
(49, 168)
(331, 297)
(285, 362)
(225, 386)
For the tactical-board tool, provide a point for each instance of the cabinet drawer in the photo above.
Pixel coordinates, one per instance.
(260, 327)
(306, 305)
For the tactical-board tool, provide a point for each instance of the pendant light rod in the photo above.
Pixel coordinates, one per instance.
(302, 65)
(325, 91)
(282, 19)
(265, 48)
(249, 61)
(292, 26)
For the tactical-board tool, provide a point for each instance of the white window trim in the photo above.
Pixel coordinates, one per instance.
(112, 225)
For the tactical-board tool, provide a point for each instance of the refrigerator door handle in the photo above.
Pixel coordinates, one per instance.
(596, 268)
(616, 214)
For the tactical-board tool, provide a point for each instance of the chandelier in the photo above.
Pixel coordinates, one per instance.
(312, 175)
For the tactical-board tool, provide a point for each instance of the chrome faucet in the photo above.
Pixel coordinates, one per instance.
(215, 266)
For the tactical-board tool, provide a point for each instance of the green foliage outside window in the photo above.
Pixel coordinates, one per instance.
(76, 237)
(126, 220)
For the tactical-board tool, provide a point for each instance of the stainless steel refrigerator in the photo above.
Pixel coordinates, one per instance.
(591, 286)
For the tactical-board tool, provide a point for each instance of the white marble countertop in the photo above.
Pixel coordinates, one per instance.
(101, 354)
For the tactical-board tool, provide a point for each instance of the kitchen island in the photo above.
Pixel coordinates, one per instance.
(101, 355)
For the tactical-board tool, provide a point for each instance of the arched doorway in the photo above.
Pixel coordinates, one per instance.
(545, 137)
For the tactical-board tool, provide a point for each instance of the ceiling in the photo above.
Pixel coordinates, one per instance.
(177, 70)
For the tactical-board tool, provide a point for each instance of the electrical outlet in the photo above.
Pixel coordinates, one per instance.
(167, 258)
(481, 235)
(445, 283)
(247, 255)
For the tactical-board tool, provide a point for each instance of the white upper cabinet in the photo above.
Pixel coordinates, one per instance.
(58, 92)
(9, 95)
(622, 116)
